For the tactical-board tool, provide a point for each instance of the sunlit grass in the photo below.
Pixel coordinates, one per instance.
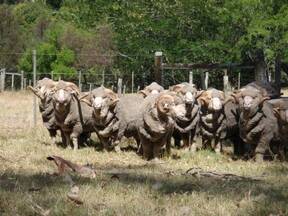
(28, 186)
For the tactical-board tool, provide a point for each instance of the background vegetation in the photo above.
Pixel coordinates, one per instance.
(121, 36)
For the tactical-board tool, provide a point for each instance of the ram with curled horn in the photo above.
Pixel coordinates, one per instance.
(44, 90)
(187, 112)
(103, 102)
(257, 124)
(73, 116)
(212, 120)
(156, 124)
(153, 88)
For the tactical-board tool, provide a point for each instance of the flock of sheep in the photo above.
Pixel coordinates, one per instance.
(251, 118)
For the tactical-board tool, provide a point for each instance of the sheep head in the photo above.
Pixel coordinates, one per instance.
(188, 94)
(153, 88)
(103, 100)
(250, 100)
(64, 92)
(165, 105)
(44, 88)
(212, 99)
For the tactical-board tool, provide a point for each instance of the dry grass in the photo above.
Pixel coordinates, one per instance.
(27, 186)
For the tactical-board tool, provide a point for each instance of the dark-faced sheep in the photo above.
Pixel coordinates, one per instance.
(187, 112)
(156, 124)
(257, 125)
(73, 116)
(212, 121)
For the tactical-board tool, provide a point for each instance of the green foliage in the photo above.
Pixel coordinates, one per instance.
(123, 35)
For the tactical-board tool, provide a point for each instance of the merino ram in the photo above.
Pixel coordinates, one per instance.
(156, 123)
(187, 112)
(212, 121)
(44, 91)
(258, 125)
(74, 117)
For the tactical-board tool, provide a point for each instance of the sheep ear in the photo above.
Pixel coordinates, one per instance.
(84, 96)
(263, 100)
(143, 92)
(114, 102)
(36, 92)
(276, 112)
(87, 102)
(199, 93)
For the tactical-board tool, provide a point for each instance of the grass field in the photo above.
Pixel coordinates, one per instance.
(125, 184)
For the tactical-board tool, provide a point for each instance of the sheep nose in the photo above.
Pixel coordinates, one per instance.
(97, 103)
(154, 92)
(189, 99)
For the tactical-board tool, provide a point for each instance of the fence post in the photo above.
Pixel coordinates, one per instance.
(138, 88)
(239, 80)
(132, 82)
(3, 79)
(190, 77)
(22, 79)
(103, 77)
(158, 67)
(124, 89)
(225, 82)
(206, 80)
(119, 87)
(90, 87)
(52, 75)
(24, 83)
(34, 85)
(79, 81)
(12, 81)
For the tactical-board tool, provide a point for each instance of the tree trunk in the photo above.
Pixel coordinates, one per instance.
(260, 67)
(278, 74)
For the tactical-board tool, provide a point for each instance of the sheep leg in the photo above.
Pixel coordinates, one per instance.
(68, 140)
(75, 143)
(217, 145)
(147, 149)
(263, 146)
(52, 134)
(156, 150)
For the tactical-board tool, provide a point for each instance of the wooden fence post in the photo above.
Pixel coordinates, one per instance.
(158, 67)
(90, 87)
(79, 80)
(138, 88)
(124, 89)
(52, 75)
(103, 77)
(132, 82)
(22, 80)
(34, 85)
(206, 81)
(24, 83)
(239, 80)
(119, 87)
(191, 77)
(12, 81)
(3, 79)
(225, 82)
